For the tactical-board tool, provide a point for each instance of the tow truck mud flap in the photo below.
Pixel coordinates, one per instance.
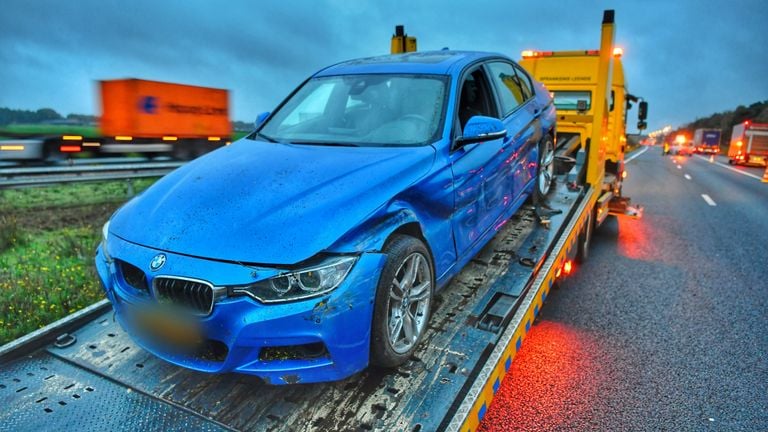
(621, 206)
(421, 395)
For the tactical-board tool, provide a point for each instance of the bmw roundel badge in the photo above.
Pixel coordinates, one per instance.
(157, 262)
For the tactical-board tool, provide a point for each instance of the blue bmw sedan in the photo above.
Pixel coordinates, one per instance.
(315, 246)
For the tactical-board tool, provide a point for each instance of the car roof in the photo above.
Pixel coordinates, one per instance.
(427, 62)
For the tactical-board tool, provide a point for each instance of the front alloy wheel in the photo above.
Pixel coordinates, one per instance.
(409, 298)
(403, 302)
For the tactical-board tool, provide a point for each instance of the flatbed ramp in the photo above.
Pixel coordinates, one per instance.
(105, 382)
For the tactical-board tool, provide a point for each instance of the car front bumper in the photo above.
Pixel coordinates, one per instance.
(336, 325)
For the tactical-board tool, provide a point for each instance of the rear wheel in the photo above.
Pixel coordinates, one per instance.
(403, 301)
(546, 169)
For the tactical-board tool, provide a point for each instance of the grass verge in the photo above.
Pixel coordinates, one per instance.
(48, 129)
(48, 237)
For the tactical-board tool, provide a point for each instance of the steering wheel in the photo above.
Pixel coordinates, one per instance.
(414, 117)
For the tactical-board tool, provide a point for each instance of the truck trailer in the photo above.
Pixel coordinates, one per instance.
(707, 141)
(144, 117)
(84, 370)
(749, 144)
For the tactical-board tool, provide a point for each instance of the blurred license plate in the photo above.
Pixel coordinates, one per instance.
(170, 328)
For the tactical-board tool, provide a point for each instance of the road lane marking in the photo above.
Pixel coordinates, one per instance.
(687, 177)
(732, 168)
(709, 200)
(639, 152)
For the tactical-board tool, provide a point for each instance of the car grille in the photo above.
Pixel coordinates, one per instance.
(191, 294)
(133, 276)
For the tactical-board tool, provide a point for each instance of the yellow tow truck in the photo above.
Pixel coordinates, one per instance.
(591, 96)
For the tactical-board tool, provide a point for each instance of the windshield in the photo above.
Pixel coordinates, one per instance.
(361, 110)
(568, 100)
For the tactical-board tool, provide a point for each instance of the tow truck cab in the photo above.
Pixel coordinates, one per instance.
(586, 114)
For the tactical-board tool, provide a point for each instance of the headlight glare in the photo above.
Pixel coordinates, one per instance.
(300, 284)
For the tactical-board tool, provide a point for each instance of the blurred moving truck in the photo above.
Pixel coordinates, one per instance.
(707, 141)
(749, 144)
(140, 116)
(150, 116)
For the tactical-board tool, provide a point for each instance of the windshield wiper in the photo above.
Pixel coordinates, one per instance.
(323, 143)
(266, 137)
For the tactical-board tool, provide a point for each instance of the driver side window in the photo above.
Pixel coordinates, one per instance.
(475, 98)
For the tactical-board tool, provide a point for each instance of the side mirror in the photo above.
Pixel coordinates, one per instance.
(641, 125)
(642, 111)
(481, 128)
(260, 119)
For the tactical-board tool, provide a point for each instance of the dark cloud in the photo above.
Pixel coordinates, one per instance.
(688, 58)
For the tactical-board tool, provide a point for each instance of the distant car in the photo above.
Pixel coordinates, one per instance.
(681, 149)
(315, 246)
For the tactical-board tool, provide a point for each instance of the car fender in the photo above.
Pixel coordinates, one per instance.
(372, 234)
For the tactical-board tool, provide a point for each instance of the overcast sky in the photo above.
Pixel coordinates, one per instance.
(687, 58)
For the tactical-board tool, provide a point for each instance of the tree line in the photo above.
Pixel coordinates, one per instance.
(47, 115)
(756, 113)
(43, 115)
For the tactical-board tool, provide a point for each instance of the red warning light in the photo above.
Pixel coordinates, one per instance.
(568, 267)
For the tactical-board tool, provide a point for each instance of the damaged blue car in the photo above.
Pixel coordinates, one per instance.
(315, 246)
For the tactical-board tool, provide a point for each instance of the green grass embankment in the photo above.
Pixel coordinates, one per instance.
(48, 237)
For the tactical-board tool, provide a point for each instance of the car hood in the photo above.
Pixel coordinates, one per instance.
(267, 203)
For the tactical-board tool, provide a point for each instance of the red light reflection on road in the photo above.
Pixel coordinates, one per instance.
(553, 380)
(636, 240)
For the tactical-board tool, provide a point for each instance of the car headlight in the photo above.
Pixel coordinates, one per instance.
(104, 237)
(305, 283)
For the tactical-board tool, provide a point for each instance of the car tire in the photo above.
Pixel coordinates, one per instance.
(403, 302)
(545, 169)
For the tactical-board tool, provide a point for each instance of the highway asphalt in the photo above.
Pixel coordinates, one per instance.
(665, 328)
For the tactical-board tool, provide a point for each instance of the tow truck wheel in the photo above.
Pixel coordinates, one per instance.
(403, 301)
(585, 238)
(546, 169)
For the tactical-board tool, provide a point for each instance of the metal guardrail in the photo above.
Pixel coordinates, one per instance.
(40, 176)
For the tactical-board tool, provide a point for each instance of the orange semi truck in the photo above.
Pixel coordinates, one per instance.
(146, 117)
(151, 116)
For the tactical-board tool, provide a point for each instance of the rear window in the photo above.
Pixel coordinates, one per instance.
(569, 100)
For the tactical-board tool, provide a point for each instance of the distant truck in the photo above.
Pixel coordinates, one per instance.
(145, 117)
(707, 141)
(151, 116)
(749, 144)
